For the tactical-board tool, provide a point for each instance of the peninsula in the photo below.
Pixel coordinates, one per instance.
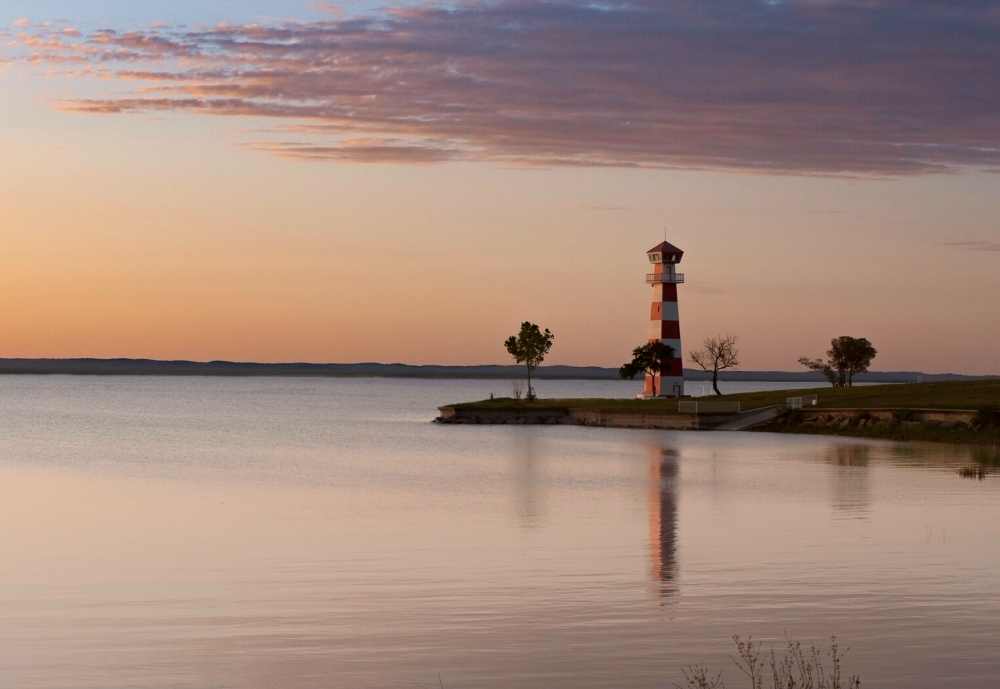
(967, 411)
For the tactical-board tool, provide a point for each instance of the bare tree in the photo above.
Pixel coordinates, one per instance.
(717, 354)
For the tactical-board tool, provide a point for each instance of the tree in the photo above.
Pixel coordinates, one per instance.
(529, 347)
(846, 357)
(854, 354)
(717, 354)
(652, 358)
(835, 377)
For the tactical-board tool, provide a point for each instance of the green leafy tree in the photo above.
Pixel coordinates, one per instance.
(652, 358)
(529, 347)
(717, 354)
(846, 357)
(826, 368)
(853, 354)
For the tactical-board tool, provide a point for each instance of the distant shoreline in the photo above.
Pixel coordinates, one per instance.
(154, 367)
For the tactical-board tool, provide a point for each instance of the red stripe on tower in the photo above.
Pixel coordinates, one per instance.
(664, 319)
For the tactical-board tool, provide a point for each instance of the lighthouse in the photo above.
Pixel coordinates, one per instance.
(665, 324)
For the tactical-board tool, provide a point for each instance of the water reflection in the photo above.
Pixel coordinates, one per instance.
(663, 480)
(985, 461)
(851, 477)
(968, 461)
(227, 533)
(528, 481)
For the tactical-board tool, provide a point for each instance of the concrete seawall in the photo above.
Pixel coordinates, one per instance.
(944, 425)
(580, 417)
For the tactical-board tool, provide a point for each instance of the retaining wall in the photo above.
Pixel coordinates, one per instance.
(570, 417)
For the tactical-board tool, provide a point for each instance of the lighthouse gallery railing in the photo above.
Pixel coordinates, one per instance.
(666, 278)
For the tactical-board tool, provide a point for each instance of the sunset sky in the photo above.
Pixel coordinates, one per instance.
(293, 180)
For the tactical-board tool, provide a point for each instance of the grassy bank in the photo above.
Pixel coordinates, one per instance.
(983, 396)
(893, 429)
(952, 395)
(900, 424)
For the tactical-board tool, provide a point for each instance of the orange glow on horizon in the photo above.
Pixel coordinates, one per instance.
(157, 238)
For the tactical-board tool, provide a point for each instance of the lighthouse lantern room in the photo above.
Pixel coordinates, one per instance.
(664, 319)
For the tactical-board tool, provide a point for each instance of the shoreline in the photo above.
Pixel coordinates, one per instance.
(904, 424)
(901, 425)
(950, 412)
(86, 366)
(848, 423)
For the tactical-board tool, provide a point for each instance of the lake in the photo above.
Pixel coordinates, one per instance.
(271, 533)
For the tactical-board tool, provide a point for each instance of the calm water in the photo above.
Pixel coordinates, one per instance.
(293, 533)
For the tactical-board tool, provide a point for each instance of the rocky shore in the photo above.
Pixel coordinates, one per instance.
(937, 425)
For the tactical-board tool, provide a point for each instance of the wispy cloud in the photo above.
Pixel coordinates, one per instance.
(977, 245)
(334, 8)
(362, 151)
(844, 87)
(605, 208)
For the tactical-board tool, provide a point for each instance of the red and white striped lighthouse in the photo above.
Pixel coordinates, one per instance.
(665, 323)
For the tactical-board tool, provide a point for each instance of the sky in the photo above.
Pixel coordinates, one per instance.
(309, 181)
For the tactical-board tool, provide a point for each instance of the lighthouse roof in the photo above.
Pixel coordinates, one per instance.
(666, 248)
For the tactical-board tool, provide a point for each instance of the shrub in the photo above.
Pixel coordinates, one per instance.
(987, 416)
(796, 668)
(977, 471)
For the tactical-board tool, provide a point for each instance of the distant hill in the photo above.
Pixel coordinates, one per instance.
(152, 367)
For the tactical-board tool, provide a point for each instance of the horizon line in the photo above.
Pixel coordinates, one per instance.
(314, 364)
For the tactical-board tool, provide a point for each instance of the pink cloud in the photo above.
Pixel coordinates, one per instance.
(334, 8)
(843, 87)
(361, 151)
(977, 245)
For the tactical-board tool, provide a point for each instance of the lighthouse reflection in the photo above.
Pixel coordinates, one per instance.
(663, 480)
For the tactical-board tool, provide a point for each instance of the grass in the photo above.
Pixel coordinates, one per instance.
(796, 667)
(951, 395)
(977, 394)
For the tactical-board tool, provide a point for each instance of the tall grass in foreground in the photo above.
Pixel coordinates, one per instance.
(796, 667)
